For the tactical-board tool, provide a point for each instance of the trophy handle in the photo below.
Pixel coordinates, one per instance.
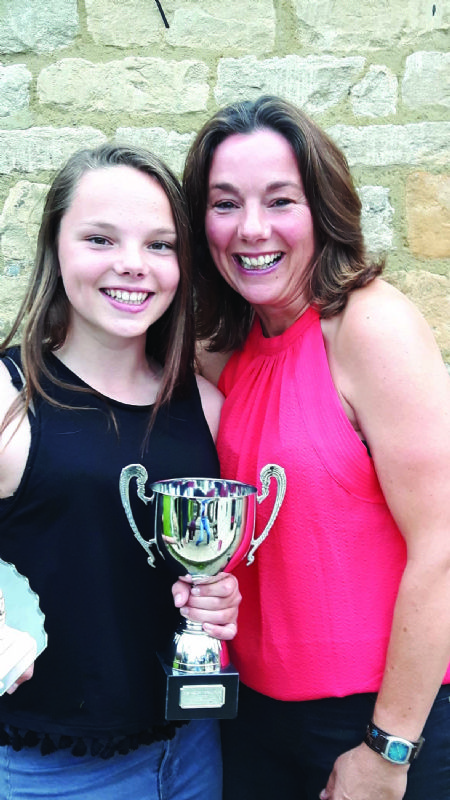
(268, 472)
(140, 473)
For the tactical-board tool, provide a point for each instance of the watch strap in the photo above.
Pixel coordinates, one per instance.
(395, 749)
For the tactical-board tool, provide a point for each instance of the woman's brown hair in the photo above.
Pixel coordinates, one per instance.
(339, 266)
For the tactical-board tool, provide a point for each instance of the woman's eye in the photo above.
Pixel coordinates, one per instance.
(282, 201)
(224, 205)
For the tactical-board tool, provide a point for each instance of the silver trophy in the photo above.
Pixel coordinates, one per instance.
(202, 526)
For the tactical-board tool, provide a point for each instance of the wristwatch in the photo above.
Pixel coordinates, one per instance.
(392, 748)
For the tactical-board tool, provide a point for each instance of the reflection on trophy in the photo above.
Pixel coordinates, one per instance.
(205, 526)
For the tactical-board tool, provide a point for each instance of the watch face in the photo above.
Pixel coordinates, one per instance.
(398, 751)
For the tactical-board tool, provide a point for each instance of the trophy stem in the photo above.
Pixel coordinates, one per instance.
(195, 651)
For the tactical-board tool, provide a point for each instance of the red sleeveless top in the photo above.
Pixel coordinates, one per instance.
(318, 600)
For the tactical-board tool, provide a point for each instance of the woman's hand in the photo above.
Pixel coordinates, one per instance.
(361, 774)
(212, 601)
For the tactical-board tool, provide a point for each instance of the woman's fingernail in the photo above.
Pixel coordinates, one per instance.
(184, 612)
(177, 599)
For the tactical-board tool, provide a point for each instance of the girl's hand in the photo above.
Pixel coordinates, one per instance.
(213, 601)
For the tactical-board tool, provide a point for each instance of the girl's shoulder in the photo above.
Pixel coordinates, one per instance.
(15, 438)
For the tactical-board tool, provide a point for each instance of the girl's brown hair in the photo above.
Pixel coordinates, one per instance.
(44, 313)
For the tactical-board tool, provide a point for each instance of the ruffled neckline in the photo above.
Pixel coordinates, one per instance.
(275, 344)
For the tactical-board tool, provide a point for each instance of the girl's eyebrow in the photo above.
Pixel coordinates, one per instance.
(107, 226)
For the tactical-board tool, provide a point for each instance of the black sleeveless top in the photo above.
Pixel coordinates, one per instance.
(106, 610)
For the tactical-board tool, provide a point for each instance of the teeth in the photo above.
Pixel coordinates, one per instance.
(258, 262)
(132, 298)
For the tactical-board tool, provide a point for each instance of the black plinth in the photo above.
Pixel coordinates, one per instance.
(200, 695)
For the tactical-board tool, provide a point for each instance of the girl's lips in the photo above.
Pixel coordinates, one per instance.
(126, 296)
(125, 299)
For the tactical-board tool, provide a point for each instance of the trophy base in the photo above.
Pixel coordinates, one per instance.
(200, 695)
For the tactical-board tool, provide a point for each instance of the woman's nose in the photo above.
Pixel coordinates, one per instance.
(254, 224)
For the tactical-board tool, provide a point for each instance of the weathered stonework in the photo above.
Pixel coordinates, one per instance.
(223, 27)
(14, 90)
(376, 94)
(37, 25)
(428, 215)
(327, 25)
(12, 290)
(19, 225)
(132, 85)
(426, 81)
(382, 145)
(43, 148)
(377, 219)
(171, 146)
(125, 23)
(314, 83)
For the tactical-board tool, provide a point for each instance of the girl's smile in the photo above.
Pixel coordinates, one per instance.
(117, 253)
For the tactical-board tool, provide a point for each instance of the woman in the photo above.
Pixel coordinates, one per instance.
(104, 378)
(344, 628)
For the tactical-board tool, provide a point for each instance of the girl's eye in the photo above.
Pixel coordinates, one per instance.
(161, 246)
(99, 240)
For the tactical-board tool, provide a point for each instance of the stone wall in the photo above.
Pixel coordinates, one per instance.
(375, 75)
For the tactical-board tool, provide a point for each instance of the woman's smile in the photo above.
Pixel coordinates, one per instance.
(259, 225)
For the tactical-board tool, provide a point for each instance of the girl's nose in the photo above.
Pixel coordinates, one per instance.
(131, 261)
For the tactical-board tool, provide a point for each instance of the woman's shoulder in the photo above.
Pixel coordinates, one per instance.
(377, 319)
(211, 364)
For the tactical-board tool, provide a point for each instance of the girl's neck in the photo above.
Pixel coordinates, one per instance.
(121, 370)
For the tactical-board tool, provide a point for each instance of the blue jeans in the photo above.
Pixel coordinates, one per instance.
(187, 767)
(287, 750)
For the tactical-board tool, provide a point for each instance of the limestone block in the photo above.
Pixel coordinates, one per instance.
(215, 25)
(376, 218)
(12, 291)
(39, 25)
(19, 225)
(327, 25)
(421, 143)
(314, 83)
(426, 80)
(376, 94)
(431, 294)
(428, 214)
(132, 85)
(171, 146)
(43, 148)
(14, 89)
(127, 23)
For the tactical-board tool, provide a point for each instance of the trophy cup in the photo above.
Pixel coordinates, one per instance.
(202, 526)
